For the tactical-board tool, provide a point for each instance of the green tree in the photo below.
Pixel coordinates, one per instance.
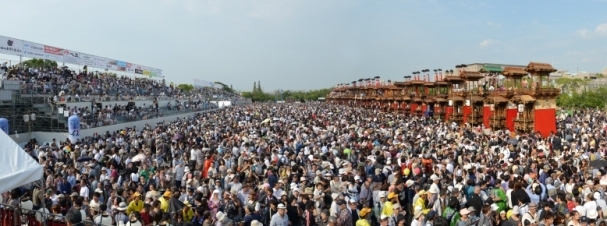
(37, 63)
(572, 85)
(585, 99)
(224, 87)
(185, 87)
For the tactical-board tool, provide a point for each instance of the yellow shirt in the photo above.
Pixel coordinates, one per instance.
(421, 203)
(187, 215)
(387, 209)
(164, 204)
(362, 222)
(134, 206)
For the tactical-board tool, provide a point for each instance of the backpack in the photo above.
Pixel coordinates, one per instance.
(449, 213)
(455, 219)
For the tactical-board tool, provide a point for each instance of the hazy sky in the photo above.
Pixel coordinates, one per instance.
(292, 44)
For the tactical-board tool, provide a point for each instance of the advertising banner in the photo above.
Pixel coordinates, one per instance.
(73, 128)
(33, 50)
(146, 71)
(117, 65)
(88, 60)
(130, 67)
(53, 53)
(71, 57)
(202, 83)
(102, 62)
(156, 72)
(11, 46)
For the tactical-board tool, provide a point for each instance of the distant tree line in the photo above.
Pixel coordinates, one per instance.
(259, 95)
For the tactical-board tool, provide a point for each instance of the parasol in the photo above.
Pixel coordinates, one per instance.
(84, 159)
(596, 164)
(138, 158)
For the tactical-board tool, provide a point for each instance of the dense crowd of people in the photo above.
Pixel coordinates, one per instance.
(65, 84)
(321, 164)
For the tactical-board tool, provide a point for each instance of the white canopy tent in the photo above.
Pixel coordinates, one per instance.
(17, 168)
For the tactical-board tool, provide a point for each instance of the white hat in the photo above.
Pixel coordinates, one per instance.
(434, 177)
(515, 210)
(382, 194)
(356, 177)
(410, 183)
(433, 190)
(122, 206)
(256, 223)
(281, 206)
(592, 214)
(220, 215)
(465, 211)
(200, 189)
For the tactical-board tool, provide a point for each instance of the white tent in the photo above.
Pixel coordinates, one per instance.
(17, 168)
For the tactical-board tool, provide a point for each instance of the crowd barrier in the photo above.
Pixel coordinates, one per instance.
(10, 215)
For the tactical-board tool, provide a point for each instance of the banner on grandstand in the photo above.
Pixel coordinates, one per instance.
(87, 59)
(33, 50)
(13, 46)
(155, 73)
(53, 53)
(117, 65)
(71, 57)
(102, 62)
(202, 83)
(146, 71)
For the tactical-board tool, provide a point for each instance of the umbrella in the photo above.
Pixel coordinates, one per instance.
(598, 163)
(138, 158)
(266, 121)
(569, 138)
(84, 159)
(175, 205)
(513, 141)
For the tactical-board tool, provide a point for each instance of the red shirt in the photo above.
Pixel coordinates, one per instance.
(146, 218)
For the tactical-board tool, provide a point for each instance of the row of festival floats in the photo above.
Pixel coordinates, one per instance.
(515, 104)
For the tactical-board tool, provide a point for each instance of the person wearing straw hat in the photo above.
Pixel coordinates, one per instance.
(418, 217)
(136, 205)
(121, 217)
(280, 218)
(187, 213)
(363, 214)
(223, 219)
(463, 220)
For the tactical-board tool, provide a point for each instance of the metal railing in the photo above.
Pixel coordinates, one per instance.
(11, 215)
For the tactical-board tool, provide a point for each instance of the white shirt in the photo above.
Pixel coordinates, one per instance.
(591, 205)
(103, 220)
(84, 192)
